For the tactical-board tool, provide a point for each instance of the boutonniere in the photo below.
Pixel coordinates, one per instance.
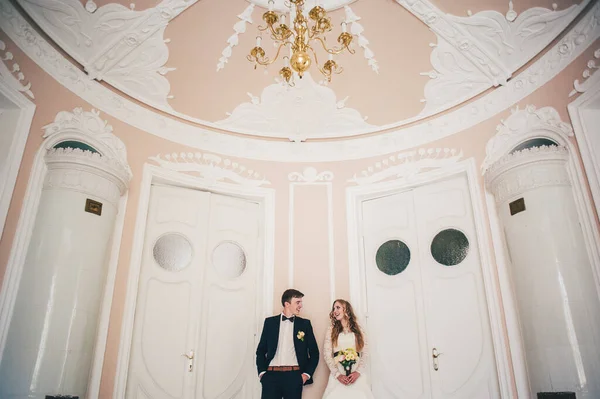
(300, 336)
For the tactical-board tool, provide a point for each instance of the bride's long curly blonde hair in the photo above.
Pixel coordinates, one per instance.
(337, 327)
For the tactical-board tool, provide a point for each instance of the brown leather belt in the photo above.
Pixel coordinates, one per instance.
(283, 368)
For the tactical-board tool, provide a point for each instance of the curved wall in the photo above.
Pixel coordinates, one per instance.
(51, 98)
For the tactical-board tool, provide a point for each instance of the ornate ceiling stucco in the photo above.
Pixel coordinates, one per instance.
(128, 50)
(579, 38)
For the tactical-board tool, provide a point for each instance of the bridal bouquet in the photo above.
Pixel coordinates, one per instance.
(347, 358)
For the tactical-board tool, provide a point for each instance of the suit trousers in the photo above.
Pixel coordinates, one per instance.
(282, 385)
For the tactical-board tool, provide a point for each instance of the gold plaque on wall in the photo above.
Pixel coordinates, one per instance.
(94, 207)
(517, 206)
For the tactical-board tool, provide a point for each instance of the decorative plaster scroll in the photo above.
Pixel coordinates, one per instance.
(523, 124)
(453, 80)
(211, 167)
(477, 52)
(546, 166)
(357, 30)
(408, 164)
(125, 48)
(515, 42)
(89, 125)
(387, 141)
(281, 112)
(238, 28)
(310, 175)
(13, 75)
(590, 77)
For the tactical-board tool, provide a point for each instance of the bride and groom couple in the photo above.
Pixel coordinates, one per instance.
(287, 354)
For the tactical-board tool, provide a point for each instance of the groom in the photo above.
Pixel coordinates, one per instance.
(287, 354)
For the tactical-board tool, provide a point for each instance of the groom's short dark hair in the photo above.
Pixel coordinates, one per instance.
(289, 294)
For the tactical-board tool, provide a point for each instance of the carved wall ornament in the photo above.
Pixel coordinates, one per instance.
(590, 77)
(12, 74)
(483, 50)
(407, 164)
(96, 132)
(310, 175)
(522, 125)
(528, 169)
(568, 48)
(123, 47)
(357, 30)
(238, 28)
(281, 111)
(210, 167)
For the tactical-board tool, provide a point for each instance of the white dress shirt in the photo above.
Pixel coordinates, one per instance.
(285, 355)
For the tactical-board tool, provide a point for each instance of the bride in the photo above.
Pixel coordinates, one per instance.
(344, 333)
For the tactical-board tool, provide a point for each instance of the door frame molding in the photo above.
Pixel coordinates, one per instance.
(155, 174)
(17, 144)
(495, 304)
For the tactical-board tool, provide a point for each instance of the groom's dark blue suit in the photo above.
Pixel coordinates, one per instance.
(307, 351)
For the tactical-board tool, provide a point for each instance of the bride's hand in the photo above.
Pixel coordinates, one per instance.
(343, 379)
(353, 377)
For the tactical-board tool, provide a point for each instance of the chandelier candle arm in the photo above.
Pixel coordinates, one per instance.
(304, 28)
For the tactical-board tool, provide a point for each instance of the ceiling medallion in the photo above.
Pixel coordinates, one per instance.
(298, 38)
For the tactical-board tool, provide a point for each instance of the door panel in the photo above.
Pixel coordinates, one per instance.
(164, 324)
(395, 311)
(455, 301)
(229, 322)
(436, 302)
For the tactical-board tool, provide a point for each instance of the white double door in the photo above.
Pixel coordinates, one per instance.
(427, 319)
(196, 312)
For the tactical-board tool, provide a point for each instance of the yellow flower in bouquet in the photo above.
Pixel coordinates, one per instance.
(347, 358)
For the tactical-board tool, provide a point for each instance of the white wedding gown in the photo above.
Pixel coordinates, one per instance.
(335, 389)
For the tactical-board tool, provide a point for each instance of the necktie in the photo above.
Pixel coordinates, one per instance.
(283, 318)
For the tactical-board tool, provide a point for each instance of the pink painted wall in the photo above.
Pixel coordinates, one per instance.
(311, 250)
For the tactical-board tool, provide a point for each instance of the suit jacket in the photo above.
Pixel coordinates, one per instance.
(307, 351)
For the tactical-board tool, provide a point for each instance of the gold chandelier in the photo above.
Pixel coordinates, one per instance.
(299, 38)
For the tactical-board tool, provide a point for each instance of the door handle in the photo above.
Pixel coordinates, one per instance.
(190, 357)
(435, 354)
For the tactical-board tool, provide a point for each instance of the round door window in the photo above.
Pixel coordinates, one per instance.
(392, 257)
(450, 247)
(172, 252)
(229, 259)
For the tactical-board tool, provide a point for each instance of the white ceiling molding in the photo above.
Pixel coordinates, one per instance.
(211, 168)
(310, 175)
(357, 30)
(590, 77)
(388, 141)
(482, 50)
(281, 112)
(407, 165)
(238, 28)
(12, 75)
(520, 126)
(123, 47)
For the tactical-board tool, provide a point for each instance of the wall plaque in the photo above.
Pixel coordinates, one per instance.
(94, 207)
(517, 206)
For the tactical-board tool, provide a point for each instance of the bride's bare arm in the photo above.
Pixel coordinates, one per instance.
(328, 354)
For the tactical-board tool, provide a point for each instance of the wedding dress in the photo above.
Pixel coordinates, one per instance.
(360, 389)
